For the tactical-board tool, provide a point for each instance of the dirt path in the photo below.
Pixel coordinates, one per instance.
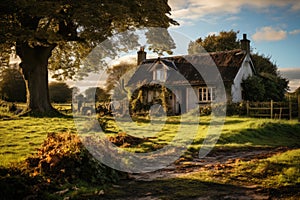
(163, 184)
(210, 162)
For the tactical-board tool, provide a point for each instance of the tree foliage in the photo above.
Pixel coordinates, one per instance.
(265, 87)
(225, 40)
(61, 33)
(263, 64)
(96, 94)
(76, 27)
(118, 75)
(12, 85)
(253, 89)
(274, 85)
(60, 92)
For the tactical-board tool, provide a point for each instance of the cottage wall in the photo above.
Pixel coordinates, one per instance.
(244, 72)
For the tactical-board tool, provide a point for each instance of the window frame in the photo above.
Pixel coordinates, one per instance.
(206, 94)
(159, 74)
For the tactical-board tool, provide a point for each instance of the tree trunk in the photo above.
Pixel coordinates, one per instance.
(34, 65)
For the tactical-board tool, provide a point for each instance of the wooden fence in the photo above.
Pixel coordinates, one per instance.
(274, 110)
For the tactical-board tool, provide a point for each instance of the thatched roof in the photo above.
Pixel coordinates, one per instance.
(193, 69)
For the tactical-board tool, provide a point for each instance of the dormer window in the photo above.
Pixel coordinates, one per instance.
(159, 74)
(160, 69)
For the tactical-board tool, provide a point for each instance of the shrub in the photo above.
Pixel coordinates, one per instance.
(236, 109)
(219, 109)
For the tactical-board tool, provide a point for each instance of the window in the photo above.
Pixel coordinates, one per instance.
(160, 75)
(207, 94)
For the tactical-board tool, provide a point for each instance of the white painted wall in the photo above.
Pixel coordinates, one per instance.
(244, 72)
(191, 98)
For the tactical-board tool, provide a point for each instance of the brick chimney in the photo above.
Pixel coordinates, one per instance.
(141, 55)
(245, 44)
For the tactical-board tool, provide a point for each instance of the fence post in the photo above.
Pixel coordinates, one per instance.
(290, 108)
(299, 107)
(271, 109)
(247, 106)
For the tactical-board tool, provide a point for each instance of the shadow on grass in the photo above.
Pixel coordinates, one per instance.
(181, 188)
(50, 114)
(270, 134)
(20, 186)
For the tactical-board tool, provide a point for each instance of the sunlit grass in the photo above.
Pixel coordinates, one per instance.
(237, 132)
(276, 171)
(19, 137)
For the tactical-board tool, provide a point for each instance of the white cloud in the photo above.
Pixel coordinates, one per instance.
(269, 33)
(295, 32)
(293, 75)
(196, 9)
(232, 18)
(294, 84)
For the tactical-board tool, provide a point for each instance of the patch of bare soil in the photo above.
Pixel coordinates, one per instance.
(215, 160)
(162, 184)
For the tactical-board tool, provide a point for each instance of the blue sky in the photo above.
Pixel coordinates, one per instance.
(273, 26)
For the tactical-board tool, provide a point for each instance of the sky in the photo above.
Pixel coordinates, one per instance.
(272, 26)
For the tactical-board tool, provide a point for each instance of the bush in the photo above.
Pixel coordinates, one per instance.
(205, 110)
(236, 109)
(8, 109)
(219, 109)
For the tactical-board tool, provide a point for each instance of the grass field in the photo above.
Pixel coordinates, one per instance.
(21, 136)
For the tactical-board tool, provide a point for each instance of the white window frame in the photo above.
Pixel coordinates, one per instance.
(159, 74)
(207, 94)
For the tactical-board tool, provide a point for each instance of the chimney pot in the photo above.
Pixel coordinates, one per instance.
(141, 55)
(245, 44)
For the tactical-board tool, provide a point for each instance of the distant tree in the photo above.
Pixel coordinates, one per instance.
(274, 84)
(60, 92)
(263, 64)
(225, 40)
(96, 94)
(117, 77)
(12, 86)
(75, 91)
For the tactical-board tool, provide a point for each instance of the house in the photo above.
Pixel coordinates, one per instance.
(186, 82)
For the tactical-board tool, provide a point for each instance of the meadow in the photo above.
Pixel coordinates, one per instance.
(22, 136)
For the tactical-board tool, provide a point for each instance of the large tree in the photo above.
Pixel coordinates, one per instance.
(68, 30)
